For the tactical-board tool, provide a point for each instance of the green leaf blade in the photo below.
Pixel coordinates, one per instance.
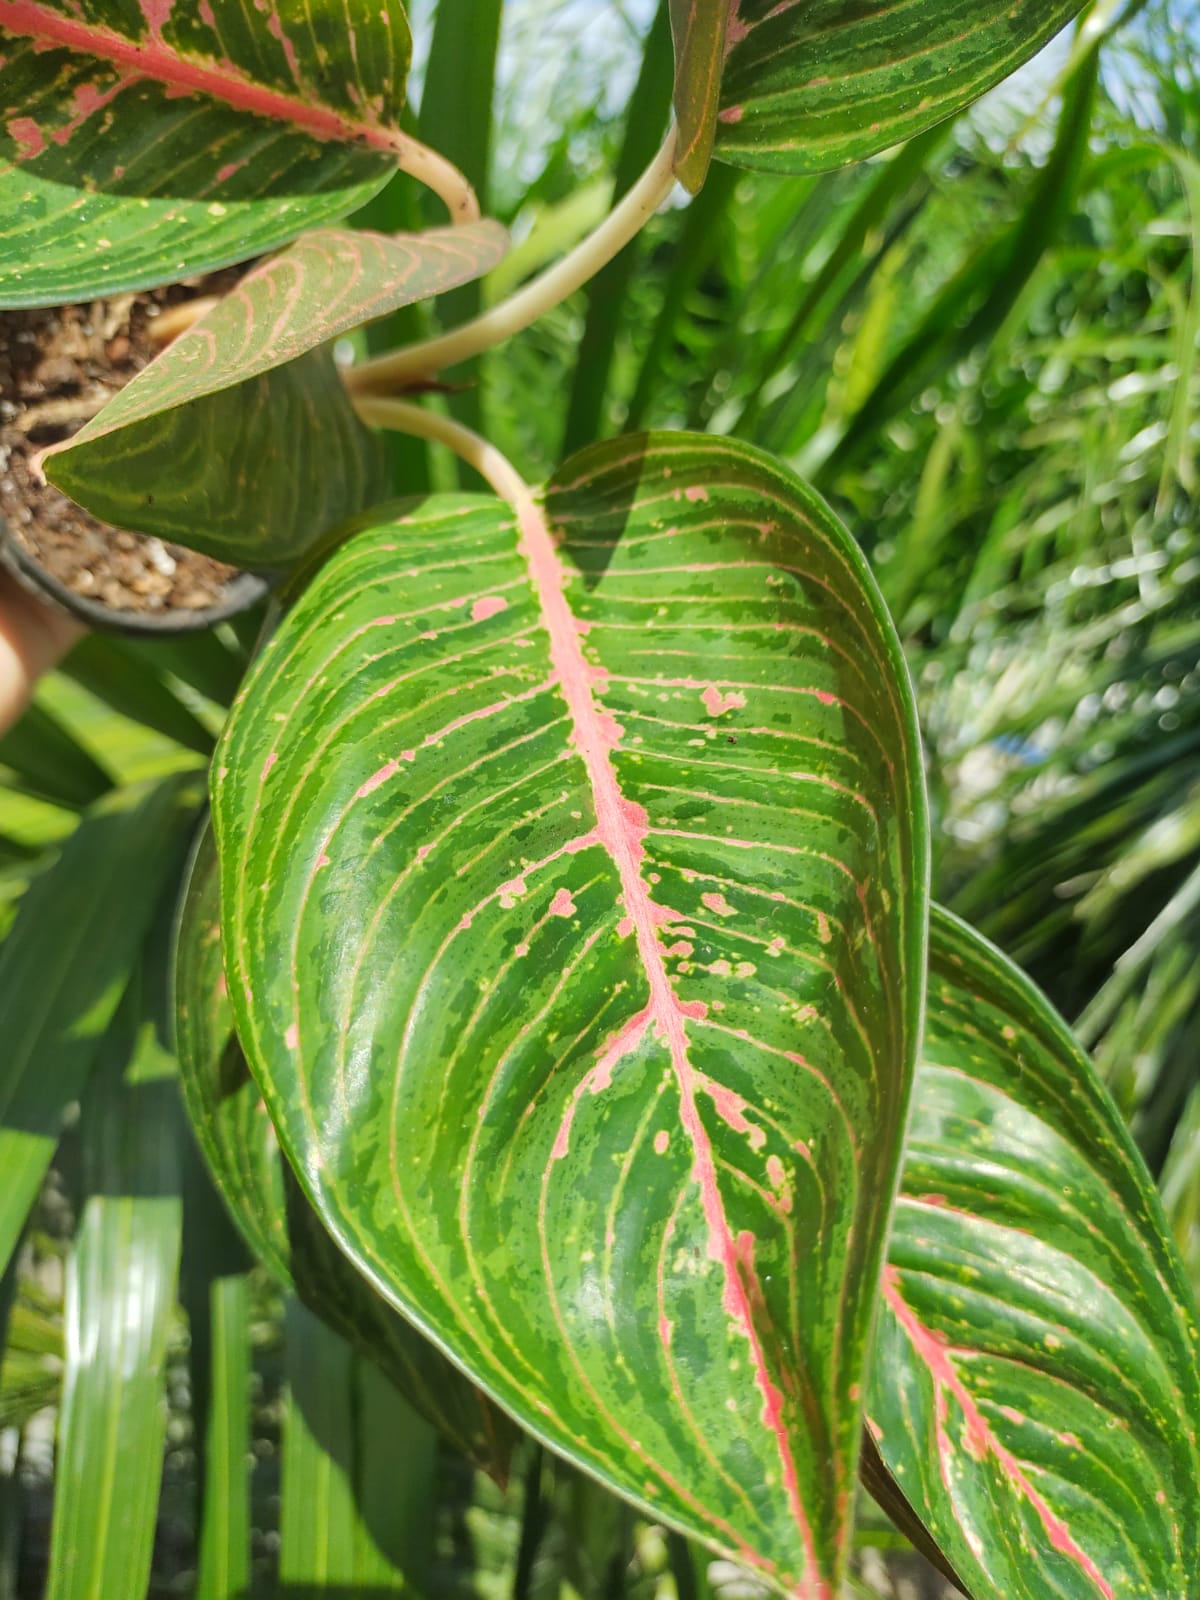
(612, 1014)
(1035, 1390)
(101, 186)
(65, 966)
(120, 1296)
(808, 87)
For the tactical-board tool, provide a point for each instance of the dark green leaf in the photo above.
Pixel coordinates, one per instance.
(143, 143)
(1034, 1390)
(106, 668)
(607, 291)
(456, 119)
(48, 761)
(813, 84)
(631, 929)
(223, 1564)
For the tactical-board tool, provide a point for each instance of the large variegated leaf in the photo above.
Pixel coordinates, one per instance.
(240, 1146)
(143, 142)
(228, 442)
(813, 84)
(1034, 1390)
(573, 886)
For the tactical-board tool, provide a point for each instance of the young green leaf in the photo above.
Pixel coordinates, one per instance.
(158, 458)
(814, 84)
(1034, 1389)
(253, 474)
(599, 839)
(142, 143)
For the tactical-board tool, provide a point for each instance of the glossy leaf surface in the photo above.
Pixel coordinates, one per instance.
(142, 143)
(65, 965)
(240, 1146)
(814, 84)
(1034, 1389)
(603, 860)
(252, 475)
(698, 32)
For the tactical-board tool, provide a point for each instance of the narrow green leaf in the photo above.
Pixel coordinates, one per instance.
(253, 474)
(1034, 1389)
(204, 661)
(357, 1471)
(105, 668)
(631, 928)
(214, 1291)
(223, 1566)
(699, 242)
(698, 32)
(607, 291)
(49, 761)
(142, 143)
(813, 84)
(1179, 461)
(31, 1351)
(971, 308)
(120, 1296)
(64, 967)
(456, 119)
(241, 1148)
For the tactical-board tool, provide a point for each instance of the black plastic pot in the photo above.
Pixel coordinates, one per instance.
(241, 592)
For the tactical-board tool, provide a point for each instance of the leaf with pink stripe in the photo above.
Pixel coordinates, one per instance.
(238, 439)
(1034, 1389)
(809, 85)
(574, 884)
(144, 142)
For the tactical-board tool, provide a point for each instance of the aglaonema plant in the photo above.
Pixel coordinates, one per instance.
(564, 918)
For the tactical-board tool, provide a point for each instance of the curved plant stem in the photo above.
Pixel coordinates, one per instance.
(390, 373)
(438, 174)
(404, 417)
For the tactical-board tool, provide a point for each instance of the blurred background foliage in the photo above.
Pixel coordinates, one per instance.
(983, 350)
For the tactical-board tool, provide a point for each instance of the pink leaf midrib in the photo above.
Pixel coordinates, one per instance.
(621, 825)
(946, 1381)
(152, 58)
